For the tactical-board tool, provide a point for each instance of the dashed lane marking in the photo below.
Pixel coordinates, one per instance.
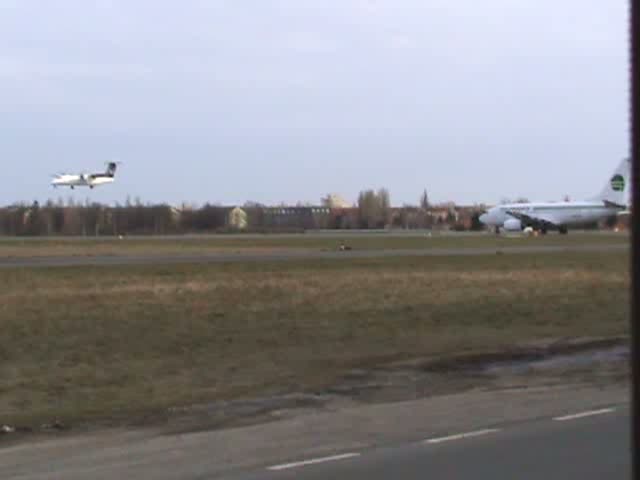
(589, 413)
(313, 461)
(461, 436)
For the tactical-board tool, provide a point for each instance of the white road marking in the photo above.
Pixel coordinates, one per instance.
(590, 413)
(313, 461)
(461, 436)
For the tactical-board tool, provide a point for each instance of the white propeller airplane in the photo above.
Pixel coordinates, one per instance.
(90, 180)
(561, 215)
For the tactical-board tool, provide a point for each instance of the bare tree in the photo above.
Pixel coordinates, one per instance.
(367, 209)
(384, 202)
(424, 200)
(374, 208)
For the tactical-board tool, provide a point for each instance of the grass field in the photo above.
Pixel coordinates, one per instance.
(114, 343)
(17, 247)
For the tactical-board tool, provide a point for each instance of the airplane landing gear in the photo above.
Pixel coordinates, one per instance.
(496, 230)
(563, 230)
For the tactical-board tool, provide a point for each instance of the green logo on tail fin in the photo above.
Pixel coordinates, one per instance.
(617, 183)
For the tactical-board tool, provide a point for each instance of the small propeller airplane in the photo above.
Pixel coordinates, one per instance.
(90, 180)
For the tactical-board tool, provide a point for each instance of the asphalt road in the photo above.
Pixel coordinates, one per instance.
(591, 447)
(522, 439)
(108, 260)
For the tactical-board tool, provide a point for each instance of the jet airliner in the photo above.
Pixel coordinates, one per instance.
(611, 201)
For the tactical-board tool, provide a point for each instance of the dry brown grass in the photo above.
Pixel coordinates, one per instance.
(119, 342)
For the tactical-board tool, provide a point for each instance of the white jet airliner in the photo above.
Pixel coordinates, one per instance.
(90, 180)
(561, 215)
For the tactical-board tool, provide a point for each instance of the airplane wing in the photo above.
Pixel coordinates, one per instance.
(614, 205)
(533, 220)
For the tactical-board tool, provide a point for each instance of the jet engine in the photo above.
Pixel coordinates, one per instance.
(512, 225)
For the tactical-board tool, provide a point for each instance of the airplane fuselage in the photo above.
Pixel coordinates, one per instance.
(84, 180)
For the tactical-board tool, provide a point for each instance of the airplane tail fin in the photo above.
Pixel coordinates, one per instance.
(616, 190)
(111, 169)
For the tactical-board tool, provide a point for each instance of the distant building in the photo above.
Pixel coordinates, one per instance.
(175, 214)
(443, 214)
(343, 218)
(305, 218)
(333, 200)
(237, 219)
(465, 216)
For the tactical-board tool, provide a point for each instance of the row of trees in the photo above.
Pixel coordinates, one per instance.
(374, 208)
(88, 219)
(373, 211)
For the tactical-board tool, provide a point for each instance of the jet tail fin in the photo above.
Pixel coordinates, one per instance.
(615, 192)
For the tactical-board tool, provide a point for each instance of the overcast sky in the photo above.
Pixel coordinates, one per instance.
(286, 100)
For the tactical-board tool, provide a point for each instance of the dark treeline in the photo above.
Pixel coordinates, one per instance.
(90, 219)
(132, 218)
(135, 218)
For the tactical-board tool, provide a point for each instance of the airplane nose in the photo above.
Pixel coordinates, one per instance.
(483, 218)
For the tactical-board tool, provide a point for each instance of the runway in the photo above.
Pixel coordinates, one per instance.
(137, 259)
(591, 445)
